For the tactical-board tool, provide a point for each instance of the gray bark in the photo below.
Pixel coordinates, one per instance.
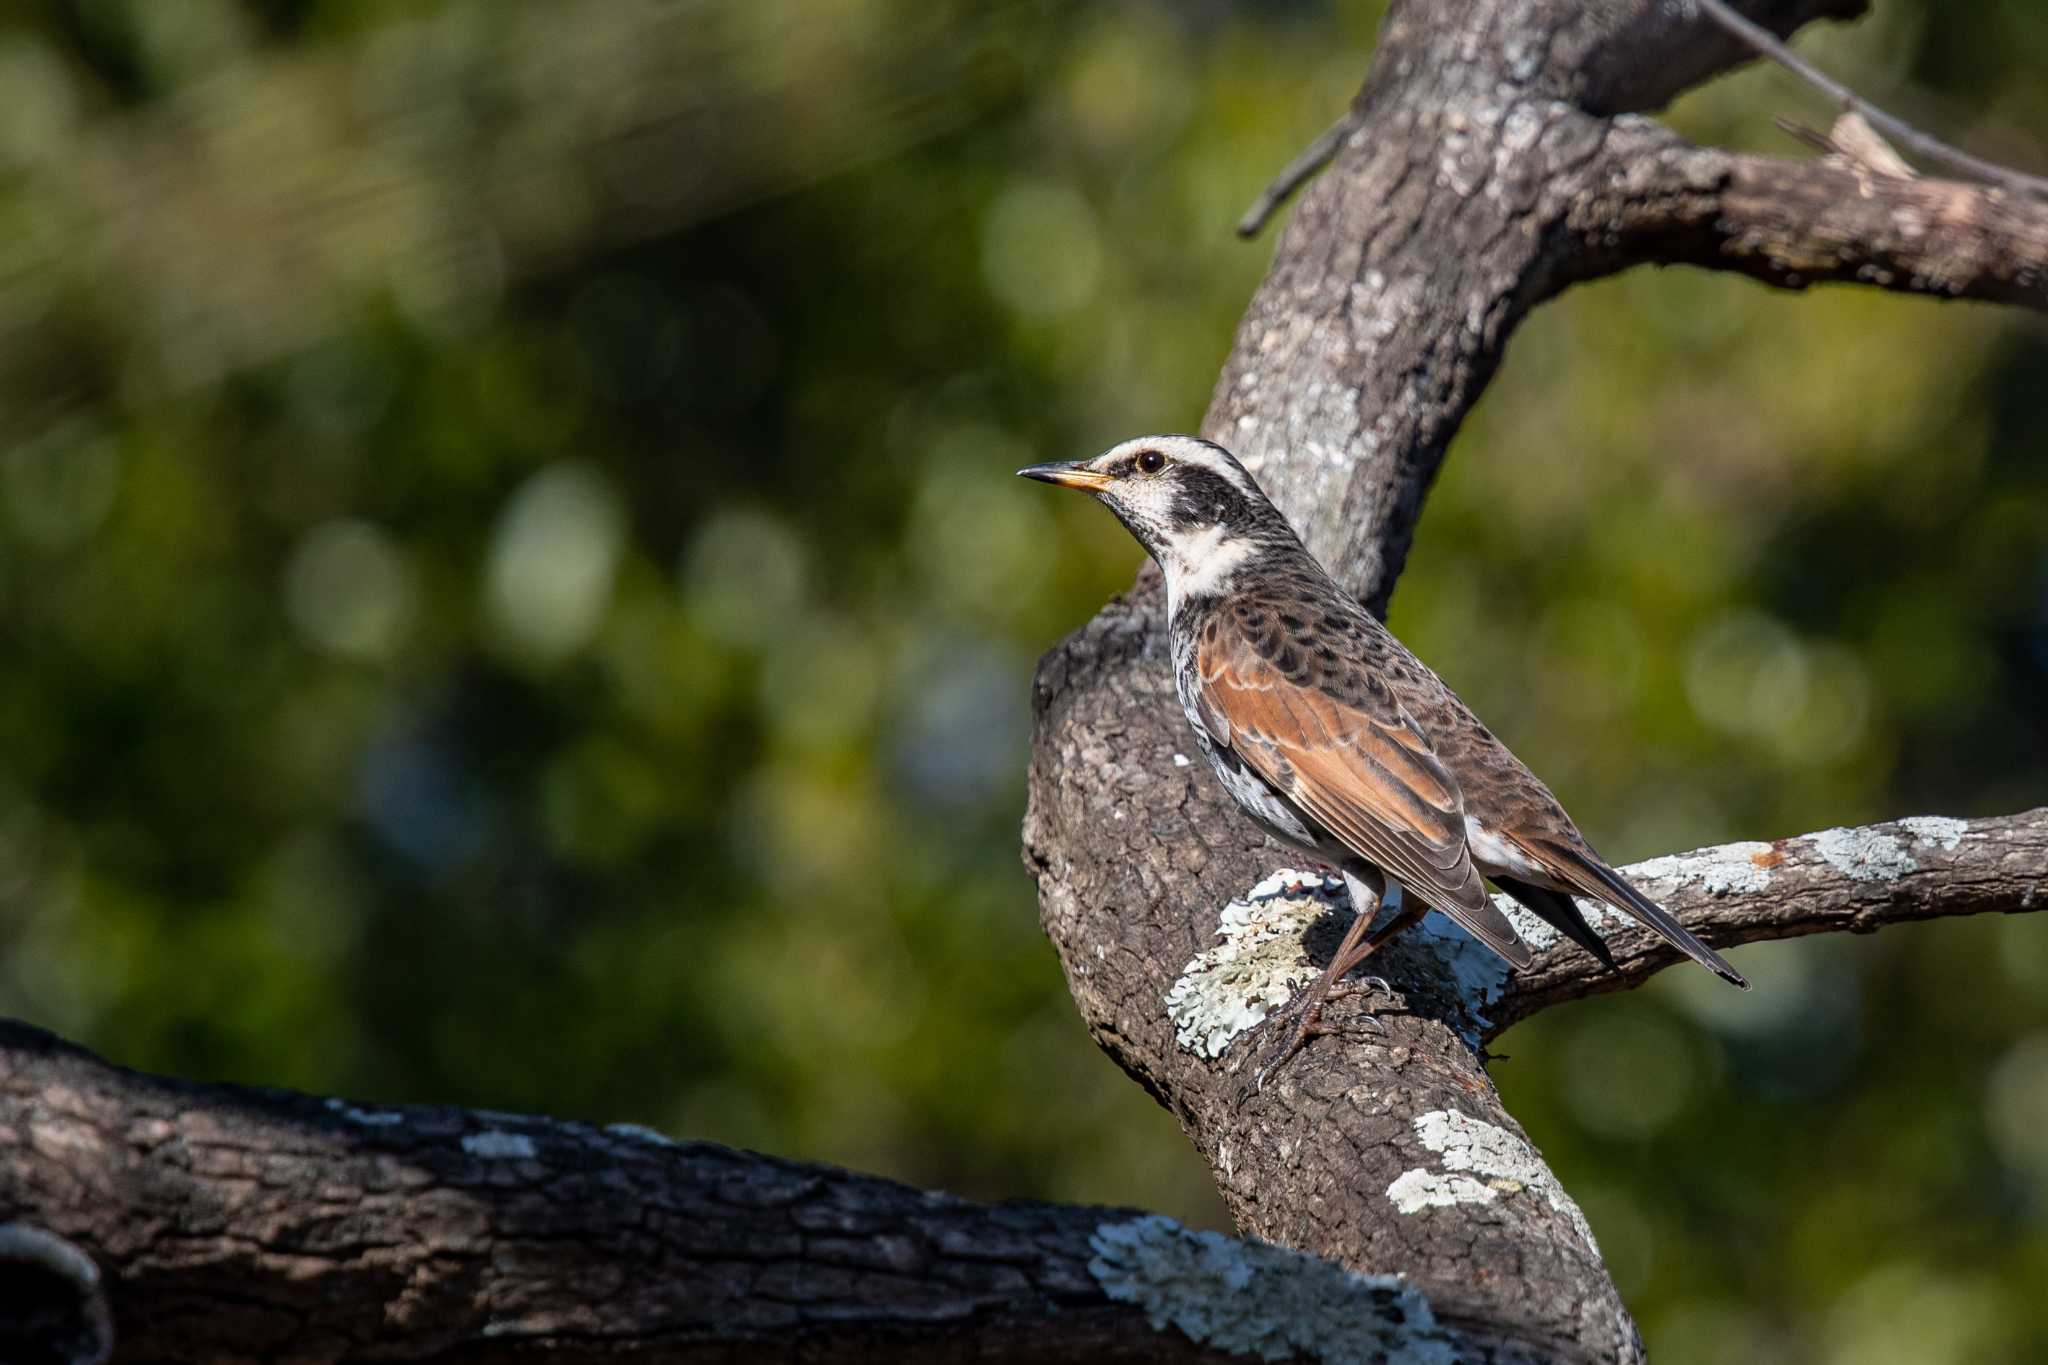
(230, 1225)
(1496, 157)
(212, 1223)
(1494, 161)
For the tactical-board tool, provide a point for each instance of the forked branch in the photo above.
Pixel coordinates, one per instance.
(1921, 144)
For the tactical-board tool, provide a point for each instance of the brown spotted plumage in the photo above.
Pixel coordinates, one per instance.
(1304, 707)
(1333, 736)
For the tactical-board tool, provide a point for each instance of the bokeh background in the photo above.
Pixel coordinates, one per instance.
(511, 593)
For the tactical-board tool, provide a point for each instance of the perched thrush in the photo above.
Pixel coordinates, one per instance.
(1334, 737)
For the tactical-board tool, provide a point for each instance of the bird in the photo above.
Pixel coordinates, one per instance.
(1338, 740)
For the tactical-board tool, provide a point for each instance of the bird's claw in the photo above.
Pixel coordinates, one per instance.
(1306, 1012)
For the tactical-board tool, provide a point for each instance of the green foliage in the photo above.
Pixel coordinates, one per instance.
(511, 593)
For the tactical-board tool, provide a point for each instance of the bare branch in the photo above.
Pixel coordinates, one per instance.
(236, 1225)
(1838, 880)
(227, 1221)
(1797, 223)
(1920, 144)
(1295, 174)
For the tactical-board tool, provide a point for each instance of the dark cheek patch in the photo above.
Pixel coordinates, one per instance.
(1205, 497)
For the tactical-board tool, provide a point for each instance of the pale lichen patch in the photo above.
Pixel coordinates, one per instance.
(1478, 972)
(1251, 1298)
(1230, 989)
(1481, 1162)
(1416, 1189)
(369, 1118)
(1738, 867)
(641, 1133)
(1537, 932)
(1534, 931)
(1943, 831)
(1864, 855)
(498, 1146)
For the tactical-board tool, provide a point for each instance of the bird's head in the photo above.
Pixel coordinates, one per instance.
(1188, 502)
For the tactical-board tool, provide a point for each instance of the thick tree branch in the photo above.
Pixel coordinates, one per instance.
(1491, 171)
(227, 1224)
(243, 1225)
(229, 1221)
(1138, 854)
(1837, 880)
(1495, 164)
(1797, 223)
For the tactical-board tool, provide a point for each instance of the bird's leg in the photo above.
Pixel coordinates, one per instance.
(1411, 911)
(1307, 1008)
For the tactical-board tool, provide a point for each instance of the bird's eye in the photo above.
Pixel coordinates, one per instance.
(1150, 462)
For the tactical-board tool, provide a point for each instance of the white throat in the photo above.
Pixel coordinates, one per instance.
(1201, 564)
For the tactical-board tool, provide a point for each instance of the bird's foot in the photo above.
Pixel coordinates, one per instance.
(1365, 985)
(1303, 1019)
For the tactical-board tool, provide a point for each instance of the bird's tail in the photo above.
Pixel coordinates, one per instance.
(1561, 913)
(1584, 872)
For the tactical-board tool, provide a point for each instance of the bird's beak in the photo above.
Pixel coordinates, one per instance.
(1075, 474)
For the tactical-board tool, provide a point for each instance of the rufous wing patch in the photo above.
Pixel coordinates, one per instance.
(1360, 766)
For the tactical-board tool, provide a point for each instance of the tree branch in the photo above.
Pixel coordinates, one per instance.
(227, 1223)
(1491, 173)
(239, 1225)
(1495, 165)
(1924, 145)
(1295, 174)
(1838, 880)
(1798, 223)
(1387, 1151)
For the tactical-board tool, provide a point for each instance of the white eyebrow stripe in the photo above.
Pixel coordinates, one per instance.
(1191, 450)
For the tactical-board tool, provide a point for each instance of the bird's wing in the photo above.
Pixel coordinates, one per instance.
(1574, 865)
(1329, 735)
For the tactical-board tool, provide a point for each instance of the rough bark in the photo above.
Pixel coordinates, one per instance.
(213, 1223)
(1836, 881)
(1495, 158)
(1494, 161)
(1136, 857)
(231, 1225)
(1798, 223)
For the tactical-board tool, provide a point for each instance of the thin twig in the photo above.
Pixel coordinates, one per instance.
(1297, 173)
(1920, 144)
(1812, 137)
